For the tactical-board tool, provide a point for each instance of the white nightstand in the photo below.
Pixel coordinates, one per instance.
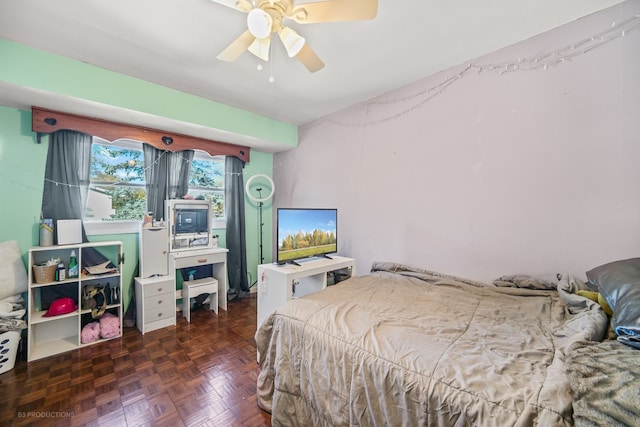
(155, 302)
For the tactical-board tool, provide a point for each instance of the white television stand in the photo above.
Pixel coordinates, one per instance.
(278, 284)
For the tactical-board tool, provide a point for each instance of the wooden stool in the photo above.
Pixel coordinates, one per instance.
(193, 288)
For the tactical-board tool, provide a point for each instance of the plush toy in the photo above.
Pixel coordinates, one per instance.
(90, 332)
(109, 326)
(597, 297)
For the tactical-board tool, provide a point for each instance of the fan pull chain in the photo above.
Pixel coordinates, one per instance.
(271, 56)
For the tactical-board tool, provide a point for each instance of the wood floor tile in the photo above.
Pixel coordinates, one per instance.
(201, 373)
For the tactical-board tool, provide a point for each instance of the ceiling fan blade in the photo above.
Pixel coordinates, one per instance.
(334, 10)
(260, 48)
(241, 5)
(237, 47)
(309, 59)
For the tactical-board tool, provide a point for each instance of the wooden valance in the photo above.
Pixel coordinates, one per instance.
(47, 121)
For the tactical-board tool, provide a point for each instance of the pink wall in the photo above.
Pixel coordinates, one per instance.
(530, 172)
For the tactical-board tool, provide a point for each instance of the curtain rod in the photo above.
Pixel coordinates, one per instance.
(45, 121)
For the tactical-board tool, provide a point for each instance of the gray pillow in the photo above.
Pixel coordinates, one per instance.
(619, 283)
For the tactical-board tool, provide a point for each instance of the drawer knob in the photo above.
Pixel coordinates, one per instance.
(159, 314)
(202, 260)
(159, 289)
(159, 301)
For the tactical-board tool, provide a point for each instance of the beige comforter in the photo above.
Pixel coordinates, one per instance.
(410, 347)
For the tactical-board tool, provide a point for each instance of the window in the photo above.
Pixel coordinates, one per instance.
(117, 189)
(117, 185)
(206, 180)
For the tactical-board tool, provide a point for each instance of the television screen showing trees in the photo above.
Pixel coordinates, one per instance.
(304, 233)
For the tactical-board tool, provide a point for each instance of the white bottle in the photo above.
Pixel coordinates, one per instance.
(60, 272)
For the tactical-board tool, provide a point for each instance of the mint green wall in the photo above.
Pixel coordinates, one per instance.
(261, 163)
(27, 67)
(22, 164)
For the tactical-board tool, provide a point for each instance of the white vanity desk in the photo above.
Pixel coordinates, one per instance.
(183, 242)
(216, 257)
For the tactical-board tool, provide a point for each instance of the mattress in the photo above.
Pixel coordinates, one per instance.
(405, 346)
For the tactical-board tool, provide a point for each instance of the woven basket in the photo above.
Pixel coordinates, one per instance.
(44, 273)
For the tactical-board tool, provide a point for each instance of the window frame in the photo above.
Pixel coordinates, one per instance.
(96, 228)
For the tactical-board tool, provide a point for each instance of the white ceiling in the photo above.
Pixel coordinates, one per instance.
(175, 42)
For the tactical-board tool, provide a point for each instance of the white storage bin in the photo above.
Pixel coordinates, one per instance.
(8, 348)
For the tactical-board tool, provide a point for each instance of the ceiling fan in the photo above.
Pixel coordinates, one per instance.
(266, 17)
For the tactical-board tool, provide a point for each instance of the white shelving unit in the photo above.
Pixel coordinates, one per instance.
(52, 335)
(278, 284)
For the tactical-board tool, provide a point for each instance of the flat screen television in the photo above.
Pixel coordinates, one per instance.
(191, 220)
(304, 233)
(189, 223)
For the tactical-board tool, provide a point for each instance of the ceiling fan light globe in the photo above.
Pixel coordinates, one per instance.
(260, 48)
(259, 23)
(292, 41)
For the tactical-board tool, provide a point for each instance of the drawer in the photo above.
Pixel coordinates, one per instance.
(158, 324)
(202, 259)
(158, 288)
(159, 301)
(158, 313)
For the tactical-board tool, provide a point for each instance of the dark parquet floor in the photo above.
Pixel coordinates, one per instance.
(201, 373)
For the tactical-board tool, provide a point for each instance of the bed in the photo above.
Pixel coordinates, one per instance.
(407, 346)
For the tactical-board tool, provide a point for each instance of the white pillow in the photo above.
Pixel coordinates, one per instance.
(13, 275)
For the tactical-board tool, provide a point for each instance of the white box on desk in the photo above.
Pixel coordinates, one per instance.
(69, 231)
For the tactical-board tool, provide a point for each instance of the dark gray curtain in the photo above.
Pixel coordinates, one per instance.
(66, 176)
(167, 176)
(66, 183)
(155, 175)
(179, 168)
(236, 237)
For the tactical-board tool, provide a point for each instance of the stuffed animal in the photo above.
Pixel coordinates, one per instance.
(90, 332)
(109, 325)
(597, 297)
